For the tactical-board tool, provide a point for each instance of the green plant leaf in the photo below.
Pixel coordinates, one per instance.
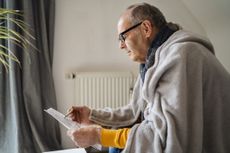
(12, 36)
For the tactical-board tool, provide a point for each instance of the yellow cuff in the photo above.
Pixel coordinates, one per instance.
(114, 138)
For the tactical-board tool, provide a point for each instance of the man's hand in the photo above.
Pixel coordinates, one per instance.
(80, 114)
(85, 136)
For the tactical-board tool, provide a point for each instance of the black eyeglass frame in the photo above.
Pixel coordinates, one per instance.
(121, 35)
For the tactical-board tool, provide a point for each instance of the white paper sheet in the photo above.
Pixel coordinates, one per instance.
(76, 150)
(69, 124)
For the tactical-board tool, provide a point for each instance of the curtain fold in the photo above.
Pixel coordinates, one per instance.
(26, 90)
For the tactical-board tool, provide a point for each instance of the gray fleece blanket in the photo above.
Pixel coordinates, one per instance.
(185, 99)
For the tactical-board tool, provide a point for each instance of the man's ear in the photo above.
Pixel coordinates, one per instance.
(147, 28)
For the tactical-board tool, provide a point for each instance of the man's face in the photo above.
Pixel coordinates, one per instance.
(135, 44)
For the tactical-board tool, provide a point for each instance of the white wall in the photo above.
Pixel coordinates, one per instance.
(86, 40)
(214, 15)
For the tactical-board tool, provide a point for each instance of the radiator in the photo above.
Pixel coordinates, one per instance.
(103, 89)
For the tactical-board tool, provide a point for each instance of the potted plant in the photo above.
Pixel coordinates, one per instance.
(10, 35)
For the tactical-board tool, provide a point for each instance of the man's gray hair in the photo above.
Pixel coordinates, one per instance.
(144, 11)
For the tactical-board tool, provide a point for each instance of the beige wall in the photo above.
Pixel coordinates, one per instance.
(86, 40)
(214, 16)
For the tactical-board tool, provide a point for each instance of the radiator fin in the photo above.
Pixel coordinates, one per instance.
(103, 89)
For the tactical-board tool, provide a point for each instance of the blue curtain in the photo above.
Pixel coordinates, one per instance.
(28, 89)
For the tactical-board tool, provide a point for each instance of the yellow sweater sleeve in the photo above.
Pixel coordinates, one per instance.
(114, 138)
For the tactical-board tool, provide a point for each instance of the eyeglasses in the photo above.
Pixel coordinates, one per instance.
(121, 35)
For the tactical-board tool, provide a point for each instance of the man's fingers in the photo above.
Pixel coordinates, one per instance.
(70, 109)
(69, 112)
(78, 116)
(72, 113)
(77, 144)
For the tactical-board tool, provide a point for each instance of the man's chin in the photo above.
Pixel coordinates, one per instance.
(133, 58)
(136, 60)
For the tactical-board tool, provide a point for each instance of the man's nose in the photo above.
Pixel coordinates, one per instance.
(122, 45)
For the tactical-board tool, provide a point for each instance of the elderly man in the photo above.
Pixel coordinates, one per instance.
(182, 92)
